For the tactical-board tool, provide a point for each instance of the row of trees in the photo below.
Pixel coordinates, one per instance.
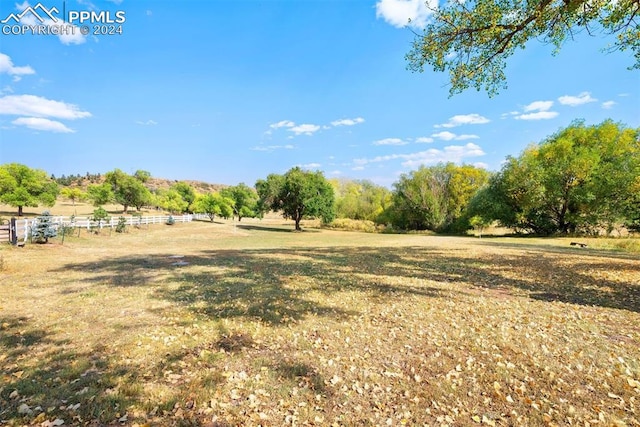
(583, 179)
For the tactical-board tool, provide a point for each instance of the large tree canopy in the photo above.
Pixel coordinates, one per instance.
(435, 197)
(127, 190)
(472, 39)
(22, 186)
(582, 179)
(245, 200)
(298, 194)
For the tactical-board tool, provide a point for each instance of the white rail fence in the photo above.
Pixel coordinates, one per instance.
(24, 226)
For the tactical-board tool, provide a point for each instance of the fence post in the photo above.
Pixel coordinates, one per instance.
(13, 233)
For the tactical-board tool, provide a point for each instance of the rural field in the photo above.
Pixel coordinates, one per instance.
(262, 326)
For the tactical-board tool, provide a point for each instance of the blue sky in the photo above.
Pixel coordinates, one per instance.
(230, 91)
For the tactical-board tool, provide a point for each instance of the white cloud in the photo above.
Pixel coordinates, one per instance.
(272, 147)
(424, 140)
(450, 136)
(6, 66)
(399, 12)
(452, 153)
(282, 124)
(304, 129)
(335, 172)
(147, 123)
(36, 106)
(574, 101)
(510, 113)
(357, 168)
(538, 106)
(464, 137)
(445, 135)
(608, 104)
(347, 122)
(464, 119)
(310, 166)
(38, 123)
(390, 141)
(540, 115)
(481, 165)
(537, 110)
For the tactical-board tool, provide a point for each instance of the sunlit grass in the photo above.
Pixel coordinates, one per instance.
(265, 326)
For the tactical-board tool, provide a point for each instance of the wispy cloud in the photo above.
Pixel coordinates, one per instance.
(282, 124)
(272, 147)
(450, 136)
(36, 106)
(399, 12)
(304, 129)
(7, 67)
(390, 141)
(347, 122)
(540, 115)
(39, 123)
(147, 123)
(538, 106)
(574, 101)
(451, 153)
(607, 105)
(464, 119)
(424, 140)
(537, 110)
(310, 166)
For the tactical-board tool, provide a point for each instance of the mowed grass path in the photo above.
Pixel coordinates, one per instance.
(269, 327)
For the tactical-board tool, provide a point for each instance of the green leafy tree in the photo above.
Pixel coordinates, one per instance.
(170, 200)
(245, 200)
(581, 179)
(142, 176)
(213, 204)
(22, 186)
(100, 194)
(479, 224)
(361, 200)
(435, 197)
(127, 190)
(186, 191)
(298, 194)
(73, 193)
(473, 39)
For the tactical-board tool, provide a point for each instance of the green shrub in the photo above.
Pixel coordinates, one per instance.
(44, 229)
(355, 225)
(122, 225)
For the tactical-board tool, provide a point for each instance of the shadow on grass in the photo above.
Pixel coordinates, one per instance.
(274, 286)
(282, 229)
(45, 378)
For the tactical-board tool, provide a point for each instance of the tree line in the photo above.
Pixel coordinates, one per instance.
(583, 179)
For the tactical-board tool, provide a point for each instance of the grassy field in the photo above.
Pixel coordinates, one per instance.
(269, 327)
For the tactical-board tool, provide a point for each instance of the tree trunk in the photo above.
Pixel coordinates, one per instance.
(19, 210)
(126, 207)
(297, 220)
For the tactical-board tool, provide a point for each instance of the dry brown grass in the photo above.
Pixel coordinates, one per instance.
(269, 327)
